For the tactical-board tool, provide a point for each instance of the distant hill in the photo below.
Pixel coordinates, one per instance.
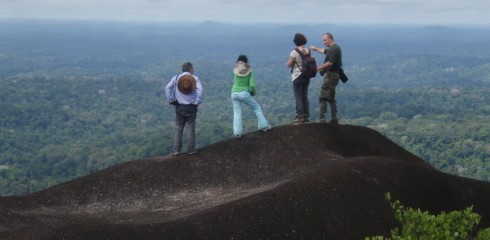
(311, 181)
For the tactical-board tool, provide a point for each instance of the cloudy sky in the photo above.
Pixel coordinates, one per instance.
(252, 11)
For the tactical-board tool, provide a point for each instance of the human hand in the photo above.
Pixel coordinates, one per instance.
(252, 91)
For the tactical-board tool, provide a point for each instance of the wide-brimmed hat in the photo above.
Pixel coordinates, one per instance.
(241, 69)
(186, 84)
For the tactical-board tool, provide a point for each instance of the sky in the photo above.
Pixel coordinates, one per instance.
(442, 12)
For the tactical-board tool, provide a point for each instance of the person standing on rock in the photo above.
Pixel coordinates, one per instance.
(300, 82)
(185, 92)
(243, 91)
(330, 72)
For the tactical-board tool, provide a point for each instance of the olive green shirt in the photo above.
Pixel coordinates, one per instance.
(333, 55)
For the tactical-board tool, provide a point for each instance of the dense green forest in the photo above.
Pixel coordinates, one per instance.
(77, 97)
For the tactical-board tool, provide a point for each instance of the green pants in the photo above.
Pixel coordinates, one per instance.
(327, 94)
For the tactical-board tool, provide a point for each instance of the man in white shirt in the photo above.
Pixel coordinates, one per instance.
(185, 92)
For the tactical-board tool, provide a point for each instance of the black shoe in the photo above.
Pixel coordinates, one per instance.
(305, 120)
(335, 121)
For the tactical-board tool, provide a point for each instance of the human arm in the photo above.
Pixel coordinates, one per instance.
(170, 90)
(331, 60)
(251, 84)
(199, 92)
(328, 61)
(324, 66)
(317, 49)
(292, 58)
(291, 62)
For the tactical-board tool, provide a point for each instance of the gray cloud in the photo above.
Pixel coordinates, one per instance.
(287, 11)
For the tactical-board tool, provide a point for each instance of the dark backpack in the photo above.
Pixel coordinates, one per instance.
(308, 66)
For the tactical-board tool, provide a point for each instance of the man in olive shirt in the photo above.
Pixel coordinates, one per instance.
(329, 70)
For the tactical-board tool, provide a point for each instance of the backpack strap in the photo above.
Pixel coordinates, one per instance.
(302, 56)
(301, 53)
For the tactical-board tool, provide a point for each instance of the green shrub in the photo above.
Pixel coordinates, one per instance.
(418, 225)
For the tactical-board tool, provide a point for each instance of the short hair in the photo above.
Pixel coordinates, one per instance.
(299, 39)
(186, 67)
(329, 35)
(242, 58)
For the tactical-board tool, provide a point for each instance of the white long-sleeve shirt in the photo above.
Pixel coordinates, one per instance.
(172, 91)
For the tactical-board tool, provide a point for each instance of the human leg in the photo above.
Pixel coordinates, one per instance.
(191, 125)
(327, 94)
(323, 110)
(250, 101)
(186, 116)
(324, 94)
(179, 128)
(306, 102)
(333, 106)
(298, 96)
(237, 114)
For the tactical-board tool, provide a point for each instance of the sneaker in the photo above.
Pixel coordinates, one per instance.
(176, 153)
(301, 120)
(266, 129)
(297, 121)
(334, 121)
(322, 120)
(192, 152)
(238, 136)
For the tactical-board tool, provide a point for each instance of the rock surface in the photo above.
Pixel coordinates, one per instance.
(309, 181)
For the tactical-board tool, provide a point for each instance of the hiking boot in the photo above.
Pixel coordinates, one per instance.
(334, 121)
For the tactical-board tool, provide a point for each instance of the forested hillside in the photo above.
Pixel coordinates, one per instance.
(77, 97)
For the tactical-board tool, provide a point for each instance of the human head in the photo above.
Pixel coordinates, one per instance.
(327, 39)
(299, 39)
(187, 67)
(242, 58)
(242, 68)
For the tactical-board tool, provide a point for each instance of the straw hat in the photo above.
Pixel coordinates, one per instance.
(241, 69)
(186, 84)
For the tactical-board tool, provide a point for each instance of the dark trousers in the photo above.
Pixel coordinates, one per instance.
(300, 88)
(185, 115)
